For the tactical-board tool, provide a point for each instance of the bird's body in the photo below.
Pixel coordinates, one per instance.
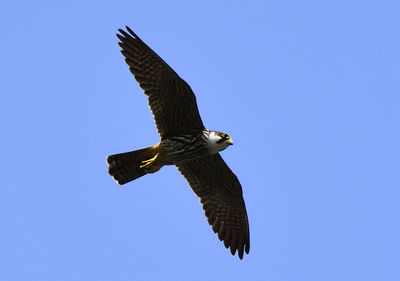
(180, 149)
(185, 143)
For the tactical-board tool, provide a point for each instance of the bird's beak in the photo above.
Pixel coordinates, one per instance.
(230, 141)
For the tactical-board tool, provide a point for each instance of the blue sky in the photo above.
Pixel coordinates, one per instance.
(308, 90)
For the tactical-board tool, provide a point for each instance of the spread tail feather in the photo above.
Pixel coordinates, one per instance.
(128, 166)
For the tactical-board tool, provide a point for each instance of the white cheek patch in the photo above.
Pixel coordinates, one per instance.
(215, 147)
(213, 137)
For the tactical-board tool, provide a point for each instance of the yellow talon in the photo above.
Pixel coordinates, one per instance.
(148, 162)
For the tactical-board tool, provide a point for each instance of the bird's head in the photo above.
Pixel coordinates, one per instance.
(218, 141)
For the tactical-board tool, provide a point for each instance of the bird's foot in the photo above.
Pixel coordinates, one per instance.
(147, 163)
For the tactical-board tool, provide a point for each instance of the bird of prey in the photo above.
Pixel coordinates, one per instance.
(185, 143)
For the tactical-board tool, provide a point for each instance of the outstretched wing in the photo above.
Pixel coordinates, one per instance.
(171, 99)
(221, 195)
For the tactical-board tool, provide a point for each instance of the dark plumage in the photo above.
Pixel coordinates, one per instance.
(185, 143)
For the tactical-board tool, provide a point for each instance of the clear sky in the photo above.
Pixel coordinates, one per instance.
(308, 90)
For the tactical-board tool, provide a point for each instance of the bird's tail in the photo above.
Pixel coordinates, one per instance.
(125, 167)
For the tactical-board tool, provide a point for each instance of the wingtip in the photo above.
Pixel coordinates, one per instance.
(124, 35)
(233, 250)
(240, 252)
(120, 37)
(247, 249)
(130, 30)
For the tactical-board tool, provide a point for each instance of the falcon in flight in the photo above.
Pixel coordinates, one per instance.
(185, 143)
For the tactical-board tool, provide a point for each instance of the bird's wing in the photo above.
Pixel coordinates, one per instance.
(221, 195)
(171, 99)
